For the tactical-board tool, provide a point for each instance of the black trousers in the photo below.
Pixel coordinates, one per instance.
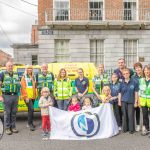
(128, 116)
(145, 111)
(117, 113)
(137, 115)
(30, 106)
(121, 114)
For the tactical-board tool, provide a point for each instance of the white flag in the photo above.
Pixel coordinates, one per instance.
(95, 123)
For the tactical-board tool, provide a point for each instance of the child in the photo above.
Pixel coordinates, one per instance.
(106, 94)
(75, 106)
(87, 104)
(44, 103)
(114, 86)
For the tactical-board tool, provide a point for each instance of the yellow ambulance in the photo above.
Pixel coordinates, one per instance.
(20, 70)
(71, 68)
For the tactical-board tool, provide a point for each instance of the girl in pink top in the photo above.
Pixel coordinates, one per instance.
(74, 106)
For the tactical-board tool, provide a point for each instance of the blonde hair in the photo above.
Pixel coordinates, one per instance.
(45, 89)
(59, 75)
(74, 97)
(106, 88)
(28, 67)
(87, 99)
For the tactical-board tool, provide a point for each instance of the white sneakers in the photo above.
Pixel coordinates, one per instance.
(144, 131)
(137, 129)
(120, 128)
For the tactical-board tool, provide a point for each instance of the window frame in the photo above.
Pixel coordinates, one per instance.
(34, 60)
(59, 55)
(96, 54)
(54, 10)
(136, 10)
(127, 55)
(103, 10)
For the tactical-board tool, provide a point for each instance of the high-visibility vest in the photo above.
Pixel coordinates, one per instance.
(11, 84)
(144, 90)
(100, 83)
(29, 87)
(62, 89)
(45, 81)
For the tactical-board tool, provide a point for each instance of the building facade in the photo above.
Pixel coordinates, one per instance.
(4, 58)
(99, 31)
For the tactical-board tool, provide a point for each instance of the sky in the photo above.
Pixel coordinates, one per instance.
(16, 23)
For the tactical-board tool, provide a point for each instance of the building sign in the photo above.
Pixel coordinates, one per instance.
(46, 32)
(141, 59)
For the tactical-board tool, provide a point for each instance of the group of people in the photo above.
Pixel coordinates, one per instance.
(127, 91)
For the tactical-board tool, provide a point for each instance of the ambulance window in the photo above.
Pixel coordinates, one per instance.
(36, 70)
(20, 72)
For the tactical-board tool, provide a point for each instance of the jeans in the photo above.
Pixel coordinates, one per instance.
(30, 106)
(63, 104)
(10, 110)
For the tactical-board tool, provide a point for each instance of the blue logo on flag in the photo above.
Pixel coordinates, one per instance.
(85, 124)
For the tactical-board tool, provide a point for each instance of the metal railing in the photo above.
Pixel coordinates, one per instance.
(97, 15)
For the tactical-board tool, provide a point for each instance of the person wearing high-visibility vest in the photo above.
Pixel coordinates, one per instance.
(10, 86)
(99, 81)
(28, 93)
(45, 79)
(62, 89)
(137, 76)
(144, 96)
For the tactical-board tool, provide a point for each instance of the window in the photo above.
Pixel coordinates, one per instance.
(34, 59)
(130, 10)
(97, 51)
(62, 51)
(61, 10)
(96, 9)
(130, 52)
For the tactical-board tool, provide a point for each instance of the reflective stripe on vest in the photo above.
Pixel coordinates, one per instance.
(10, 84)
(144, 90)
(99, 83)
(29, 87)
(45, 81)
(62, 89)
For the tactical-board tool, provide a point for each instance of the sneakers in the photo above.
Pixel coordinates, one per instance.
(131, 132)
(32, 127)
(137, 129)
(46, 135)
(144, 131)
(14, 130)
(8, 131)
(120, 128)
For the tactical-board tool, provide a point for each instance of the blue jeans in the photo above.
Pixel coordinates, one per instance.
(63, 104)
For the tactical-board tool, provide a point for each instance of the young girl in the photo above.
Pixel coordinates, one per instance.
(106, 94)
(87, 104)
(114, 86)
(44, 103)
(74, 106)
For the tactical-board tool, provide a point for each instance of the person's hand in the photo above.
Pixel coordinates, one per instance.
(98, 96)
(136, 104)
(119, 103)
(1, 99)
(27, 100)
(80, 94)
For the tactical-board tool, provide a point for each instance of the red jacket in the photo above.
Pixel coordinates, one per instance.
(75, 107)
